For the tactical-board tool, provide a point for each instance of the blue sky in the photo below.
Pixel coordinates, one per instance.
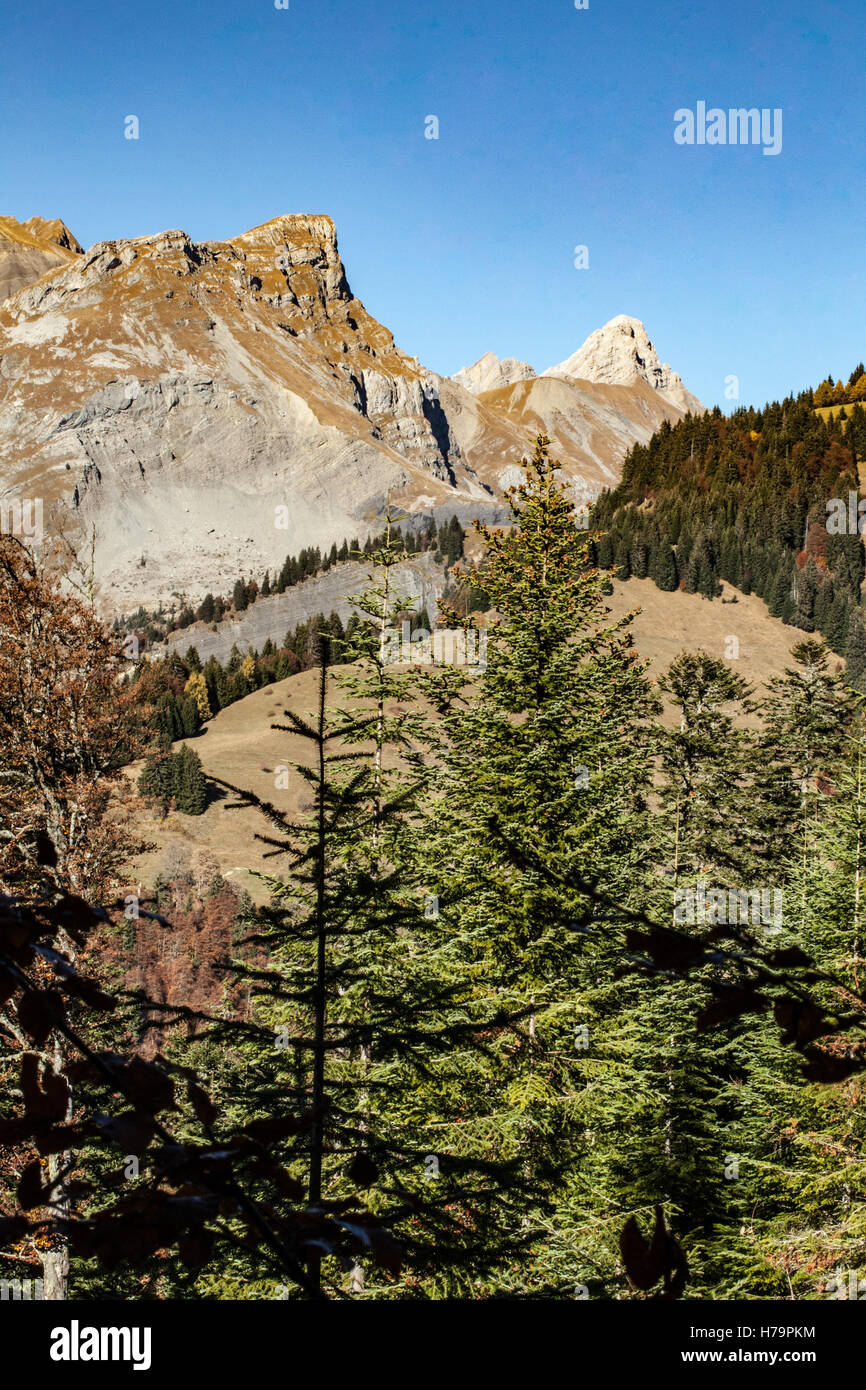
(555, 130)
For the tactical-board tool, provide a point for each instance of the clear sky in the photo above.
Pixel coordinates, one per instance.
(556, 129)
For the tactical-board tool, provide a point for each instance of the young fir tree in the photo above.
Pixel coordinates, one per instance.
(855, 650)
(191, 784)
(663, 566)
(376, 1027)
(805, 715)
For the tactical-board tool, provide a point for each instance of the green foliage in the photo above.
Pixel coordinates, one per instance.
(743, 499)
(175, 777)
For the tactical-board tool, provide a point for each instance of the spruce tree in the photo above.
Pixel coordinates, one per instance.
(664, 567)
(191, 784)
(682, 1098)
(855, 650)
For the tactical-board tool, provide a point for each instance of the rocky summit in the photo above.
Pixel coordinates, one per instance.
(209, 407)
(621, 353)
(490, 372)
(29, 249)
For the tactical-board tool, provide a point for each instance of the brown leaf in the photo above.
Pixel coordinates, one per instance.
(76, 917)
(196, 1249)
(12, 1229)
(386, 1251)
(363, 1170)
(676, 1270)
(58, 1138)
(8, 984)
(285, 1184)
(39, 1013)
(15, 1131)
(267, 1131)
(791, 955)
(45, 1096)
(144, 1083)
(801, 1021)
(667, 950)
(830, 1067)
(646, 1261)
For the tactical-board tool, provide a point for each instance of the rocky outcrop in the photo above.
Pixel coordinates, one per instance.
(490, 372)
(29, 249)
(210, 407)
(621, 353)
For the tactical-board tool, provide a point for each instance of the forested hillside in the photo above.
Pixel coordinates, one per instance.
(760, 499)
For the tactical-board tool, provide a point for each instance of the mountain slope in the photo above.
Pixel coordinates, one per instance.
(240, 744)
(760, 499)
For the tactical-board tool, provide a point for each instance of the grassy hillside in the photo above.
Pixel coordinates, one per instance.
(239, 745)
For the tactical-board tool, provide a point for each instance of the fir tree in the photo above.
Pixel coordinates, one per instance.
(381, 1027)
(536, 825)
(664, 567)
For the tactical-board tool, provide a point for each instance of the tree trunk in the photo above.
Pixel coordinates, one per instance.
(55, 1271)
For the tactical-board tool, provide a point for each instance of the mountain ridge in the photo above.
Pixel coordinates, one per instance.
(177, 395)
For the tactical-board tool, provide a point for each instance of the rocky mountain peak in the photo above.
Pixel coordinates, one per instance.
(490, 372)
(620, 353)
(29, 249)
(39, 231)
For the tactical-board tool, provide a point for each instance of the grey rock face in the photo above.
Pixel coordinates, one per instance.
(420, 581)
(621, 352)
